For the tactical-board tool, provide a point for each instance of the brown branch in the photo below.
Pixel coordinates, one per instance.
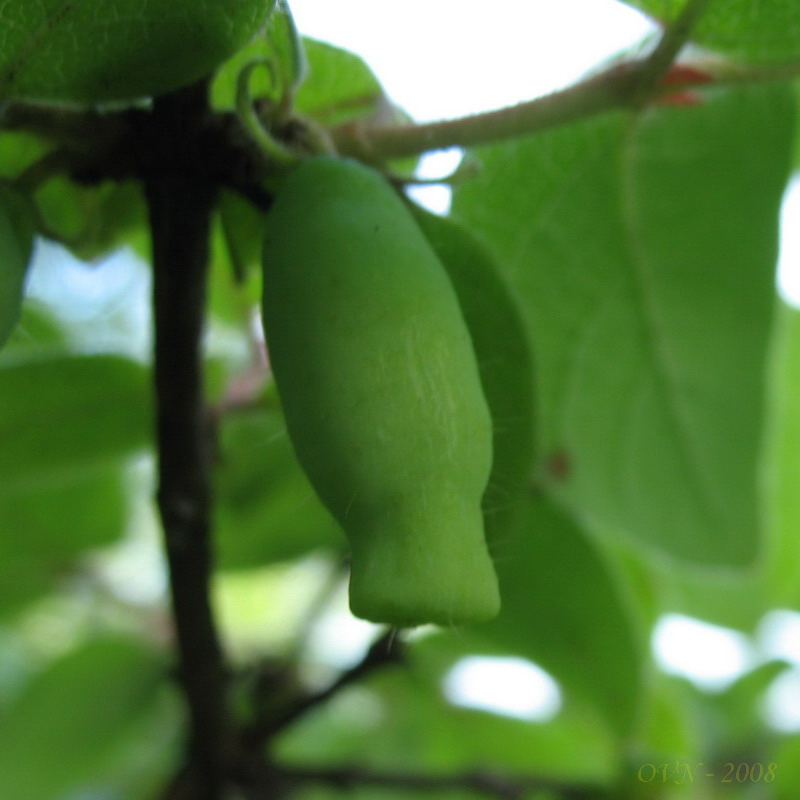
(385, 651)
(180, 203)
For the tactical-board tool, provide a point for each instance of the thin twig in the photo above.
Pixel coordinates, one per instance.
(608, 90)
(180, 208)
(675, 36)
(385, 651)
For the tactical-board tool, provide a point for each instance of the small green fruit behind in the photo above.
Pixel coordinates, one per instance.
(506, 368)
(91, 51)
(16, 244)
(381, 393)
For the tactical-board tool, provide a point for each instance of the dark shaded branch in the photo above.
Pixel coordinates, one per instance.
(475, 782)
(180, 204)
(385, 651)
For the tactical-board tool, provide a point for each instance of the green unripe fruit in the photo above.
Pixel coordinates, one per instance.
(91, 51)
(381, 393)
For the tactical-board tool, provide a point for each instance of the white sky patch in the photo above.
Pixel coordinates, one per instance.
(442, 164)
(509, 686)
(789, 259)
(339, 639)
(710, 656)
(445, 58)
(782, 702)
(779, 635)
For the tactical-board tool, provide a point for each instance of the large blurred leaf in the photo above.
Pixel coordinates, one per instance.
(783, 771)
(644, 249)
(44, 527)
(90, 51)
(563, 609)
(235, 281)
(505, 363)
(730, 598)
(16, 244)
(70, 717)
(266, 508)
(340, 86)
(783, 464)
(62, 415)
(735, 720)
(757, 30)
(669, 729)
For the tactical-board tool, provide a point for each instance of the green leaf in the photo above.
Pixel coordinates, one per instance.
(644, 249)
(504, 359)
(16, 244)
(45, 527)
(730, 598)
(36, 334)
(668, 729)
(62, 415)
(92, 220)
(340, 85)
(784, 769)
(237, 253)
(737, 722)
(563, 608)
(753, 30)
(90, 51)
(266, 508)
(70, 717)
(782, 463)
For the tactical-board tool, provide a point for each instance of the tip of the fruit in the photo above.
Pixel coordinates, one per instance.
(425, 563)
(406, 606)
(412, 617)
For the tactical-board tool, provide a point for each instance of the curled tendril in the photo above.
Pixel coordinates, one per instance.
(250, 118)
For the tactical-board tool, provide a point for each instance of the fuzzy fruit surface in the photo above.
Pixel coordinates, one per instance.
(381, 393)
(16, 244)
(94, 51)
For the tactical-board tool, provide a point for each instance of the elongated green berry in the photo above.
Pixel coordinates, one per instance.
(381, 393)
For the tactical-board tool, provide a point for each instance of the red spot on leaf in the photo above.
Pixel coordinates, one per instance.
(681, 99)
(559, 465)
(684, 75)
